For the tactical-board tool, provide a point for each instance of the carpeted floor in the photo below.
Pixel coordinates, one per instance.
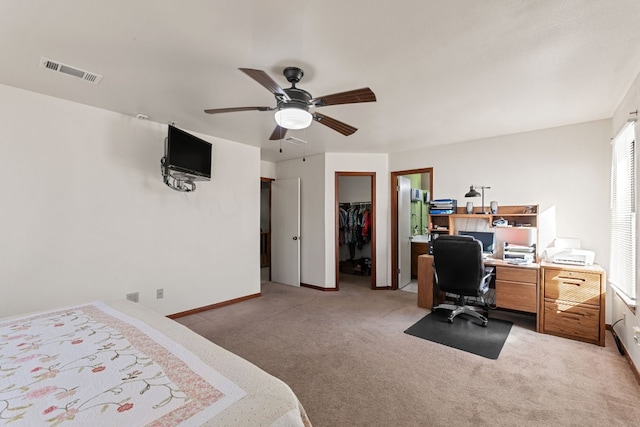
(347, 358)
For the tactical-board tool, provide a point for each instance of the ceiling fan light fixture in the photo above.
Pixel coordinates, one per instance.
(293, 118)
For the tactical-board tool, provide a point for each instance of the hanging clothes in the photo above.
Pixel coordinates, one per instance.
(343, 225)
(355, 226)
(366, 225)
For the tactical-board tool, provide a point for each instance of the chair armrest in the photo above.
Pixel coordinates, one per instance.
(488, 271)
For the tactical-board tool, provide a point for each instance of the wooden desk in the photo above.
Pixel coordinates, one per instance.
(516, 286)
(427, 295)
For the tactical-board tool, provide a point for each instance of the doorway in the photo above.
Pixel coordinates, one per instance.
(265, 229)
(415, 216)
(355, 233)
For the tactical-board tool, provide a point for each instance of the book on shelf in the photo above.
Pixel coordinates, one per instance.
(440, 211)
(448, 205)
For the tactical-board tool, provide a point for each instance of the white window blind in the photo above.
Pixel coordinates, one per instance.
(622, 272)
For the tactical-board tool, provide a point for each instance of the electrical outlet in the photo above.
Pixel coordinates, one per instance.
(636, 335)
(159, 293)
(135, 297)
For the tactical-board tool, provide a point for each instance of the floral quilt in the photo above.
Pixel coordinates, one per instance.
(94, 366)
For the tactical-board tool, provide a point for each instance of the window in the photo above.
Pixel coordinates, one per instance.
(622, 271)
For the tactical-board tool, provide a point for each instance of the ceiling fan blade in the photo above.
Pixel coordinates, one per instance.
(266, 81)
(278, 133)
(233, 109)
(350, 97)
(334, 124)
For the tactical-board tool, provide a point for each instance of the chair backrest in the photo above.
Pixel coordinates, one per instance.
(458, 264)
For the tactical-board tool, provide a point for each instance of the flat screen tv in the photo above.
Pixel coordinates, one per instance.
(187, 157)
(487, 238)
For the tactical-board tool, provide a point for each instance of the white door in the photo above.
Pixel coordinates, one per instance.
(285, 231)
(404, 231)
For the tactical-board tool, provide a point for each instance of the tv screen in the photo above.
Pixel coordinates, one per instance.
(487, 238)
(188, 155)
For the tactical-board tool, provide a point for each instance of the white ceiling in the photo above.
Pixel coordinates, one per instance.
(443, 71)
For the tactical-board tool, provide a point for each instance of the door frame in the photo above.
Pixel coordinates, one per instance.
(337, 224)
(394, 217)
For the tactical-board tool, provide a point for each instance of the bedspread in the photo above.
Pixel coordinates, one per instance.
(95, 365)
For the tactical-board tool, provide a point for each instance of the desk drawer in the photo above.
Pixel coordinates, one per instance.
(516, 296)
(574, 286)
(517, 274)
(572, 320)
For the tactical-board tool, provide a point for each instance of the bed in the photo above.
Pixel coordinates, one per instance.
(118, 363)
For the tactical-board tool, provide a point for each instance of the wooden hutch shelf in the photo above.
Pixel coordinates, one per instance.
(516, 216)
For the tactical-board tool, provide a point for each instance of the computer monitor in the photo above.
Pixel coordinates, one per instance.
(487, 238)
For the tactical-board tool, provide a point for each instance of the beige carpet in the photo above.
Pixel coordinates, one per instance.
(346, 357)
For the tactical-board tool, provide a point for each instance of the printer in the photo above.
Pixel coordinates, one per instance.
(570, 256)
(567, 251)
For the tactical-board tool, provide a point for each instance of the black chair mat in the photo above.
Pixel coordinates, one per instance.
(465, 333)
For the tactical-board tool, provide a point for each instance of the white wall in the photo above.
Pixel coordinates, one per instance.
(267, 169)
(565, 169)
(85, 214)
(377, 163)
(354, 189)
(617, 308)
(317, 189)
(312, 215)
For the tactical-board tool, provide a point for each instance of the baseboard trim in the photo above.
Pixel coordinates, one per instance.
(632, 365)
(317, 288)
(212, 306)
(320, 288)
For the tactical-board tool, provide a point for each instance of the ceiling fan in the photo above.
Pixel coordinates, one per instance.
(293, 104)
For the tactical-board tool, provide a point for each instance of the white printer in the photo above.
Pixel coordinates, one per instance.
(567, 251)
(573, 257)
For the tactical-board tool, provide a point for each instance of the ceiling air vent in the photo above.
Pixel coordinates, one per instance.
(69, 70)
(294, 140)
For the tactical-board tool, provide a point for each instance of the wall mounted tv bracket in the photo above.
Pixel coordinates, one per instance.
(183, 185)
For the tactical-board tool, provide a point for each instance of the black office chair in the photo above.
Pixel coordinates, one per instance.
(459, 270)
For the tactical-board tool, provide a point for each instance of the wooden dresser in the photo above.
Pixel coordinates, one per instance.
(572, 302)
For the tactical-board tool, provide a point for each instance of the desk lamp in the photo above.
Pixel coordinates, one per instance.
(474, 193)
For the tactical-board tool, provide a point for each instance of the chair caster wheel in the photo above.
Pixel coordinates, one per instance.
(485, 323)
(450, 320)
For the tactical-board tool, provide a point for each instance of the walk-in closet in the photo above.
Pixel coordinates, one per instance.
(355, 217)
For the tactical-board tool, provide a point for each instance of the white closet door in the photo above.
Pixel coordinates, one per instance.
(285, 231)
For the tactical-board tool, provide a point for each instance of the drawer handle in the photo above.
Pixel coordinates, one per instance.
(577, 317)
(569, 278)
(571, 281)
